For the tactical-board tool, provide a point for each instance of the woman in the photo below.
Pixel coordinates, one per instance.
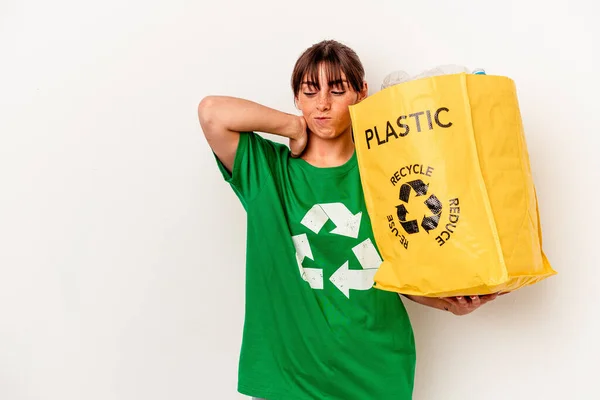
(314, 326)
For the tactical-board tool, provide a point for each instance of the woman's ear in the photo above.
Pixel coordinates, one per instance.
(364, 92)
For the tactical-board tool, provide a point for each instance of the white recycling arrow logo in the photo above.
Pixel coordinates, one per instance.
(347, 224)
(314, 276)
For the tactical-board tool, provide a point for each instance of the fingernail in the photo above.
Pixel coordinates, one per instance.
(459, 297)
(473, 297)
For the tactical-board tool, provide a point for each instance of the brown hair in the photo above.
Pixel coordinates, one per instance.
(335, 58)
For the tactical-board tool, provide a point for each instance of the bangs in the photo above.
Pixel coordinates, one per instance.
(333, 74)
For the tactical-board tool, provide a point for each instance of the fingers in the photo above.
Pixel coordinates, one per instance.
(468, 301)
(478, 301)
(475, 301)
(462, 302)
(462, 305)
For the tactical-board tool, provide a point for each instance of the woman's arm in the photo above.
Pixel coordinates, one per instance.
(222, 119)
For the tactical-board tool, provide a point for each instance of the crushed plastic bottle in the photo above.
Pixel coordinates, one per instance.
(442, 70)
(396, 77)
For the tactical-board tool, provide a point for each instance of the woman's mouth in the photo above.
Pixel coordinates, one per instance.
(322, 120)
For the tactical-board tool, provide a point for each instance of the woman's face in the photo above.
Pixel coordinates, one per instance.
(326, 109)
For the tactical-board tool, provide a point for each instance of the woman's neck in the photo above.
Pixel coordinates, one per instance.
(325, 153)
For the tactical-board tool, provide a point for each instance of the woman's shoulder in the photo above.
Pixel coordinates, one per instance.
(269, 143)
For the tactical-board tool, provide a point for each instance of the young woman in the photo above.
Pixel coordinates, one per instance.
(314, 327)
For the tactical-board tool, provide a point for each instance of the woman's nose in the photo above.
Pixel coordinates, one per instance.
(323, 101)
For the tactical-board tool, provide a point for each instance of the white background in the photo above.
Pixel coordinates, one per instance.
(122, 249)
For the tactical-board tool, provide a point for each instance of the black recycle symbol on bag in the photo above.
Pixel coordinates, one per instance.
(429, 222)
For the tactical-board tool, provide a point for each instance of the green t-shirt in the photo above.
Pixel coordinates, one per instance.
(314, 326)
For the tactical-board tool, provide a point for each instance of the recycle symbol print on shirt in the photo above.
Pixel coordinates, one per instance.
(347, 224)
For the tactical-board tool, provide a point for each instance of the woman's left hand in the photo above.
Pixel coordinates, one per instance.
(463, 305)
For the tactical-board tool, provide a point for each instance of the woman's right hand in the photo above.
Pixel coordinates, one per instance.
(299, 140)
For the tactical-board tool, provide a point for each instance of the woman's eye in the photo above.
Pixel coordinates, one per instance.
(309, 94)
(338, 93)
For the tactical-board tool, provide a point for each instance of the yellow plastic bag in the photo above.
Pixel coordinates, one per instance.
(448, 187)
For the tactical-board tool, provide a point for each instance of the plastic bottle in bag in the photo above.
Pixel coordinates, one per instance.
(396, 77)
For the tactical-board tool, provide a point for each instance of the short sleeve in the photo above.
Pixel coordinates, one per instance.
(254, 165)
